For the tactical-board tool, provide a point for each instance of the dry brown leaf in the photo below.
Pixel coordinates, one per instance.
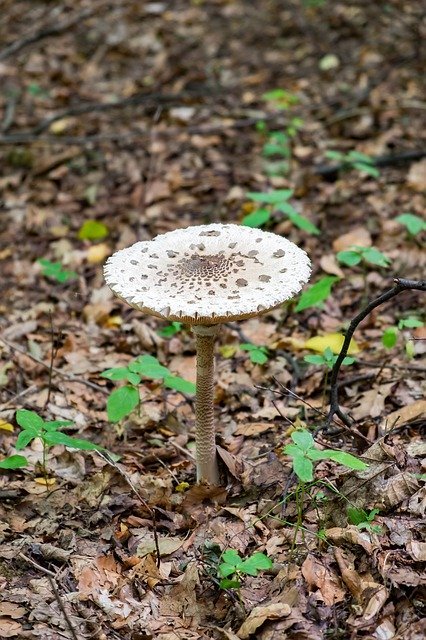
(9, 628)
(167, 546)
(358, 236)
(321, 577)
(405, 415)
(254, 428)
(417, 550)
(259, 615)
(372, 402)
(417, 176)
(328, 263)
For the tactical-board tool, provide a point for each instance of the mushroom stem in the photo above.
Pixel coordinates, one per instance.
(207, 469)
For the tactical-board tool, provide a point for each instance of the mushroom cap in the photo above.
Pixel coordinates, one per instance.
(208, 274)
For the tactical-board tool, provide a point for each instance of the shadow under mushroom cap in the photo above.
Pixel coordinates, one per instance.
(208, 274)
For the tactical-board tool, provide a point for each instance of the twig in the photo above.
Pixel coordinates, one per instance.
(35, 564)
(62, 608)
(67, 376)
(52, 30)
(151, 510)
(401, 284)
(332, 171)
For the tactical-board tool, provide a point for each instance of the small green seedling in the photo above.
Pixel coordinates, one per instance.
(327, 358)
(55, 271)
(390, 335)
(258, 355)
(33, 427)
(315, 295)
(276, 201)
(355, 160)
(232, 567)
(93, 230)
(412, 223)
(353, 256)
(304, 453)
(123, 400)
(170, 330)
(364, 520)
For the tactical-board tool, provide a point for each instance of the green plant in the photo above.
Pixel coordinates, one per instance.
(364, 520)
(93, 230)
(276, 201)
(258, 355)
(33, 427)
(232, 567)
(315, 295)
(327, 358)
(278, 143)
(412, 223)
(304, 453)
(355, 160)
(170, 330)
(123, 400)
(55, 271)
(390, 335)
(370, 255)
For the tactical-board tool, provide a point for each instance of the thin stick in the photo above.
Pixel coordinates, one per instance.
(67, 376)
(62, 608)
(401, 284)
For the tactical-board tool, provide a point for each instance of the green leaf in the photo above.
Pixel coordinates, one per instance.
(412, 223)
(54, 270)
(121, 402)
(350, 258)
(272, 197)
(229, 584)
(256, 562)
(303, 439)
(314, 359)
(57, 437)
(256, 218)
(149, 367)
(356, 516)
(292, 450)
(367, 168)
(170, 330)
(376, 257)
(232, 557)
(247, 346)
(317, 293)
(24, 438)
(303, 468)
(13, 462)
(258, 356)
(346, 459)
(179, 384)
(390, 337)
(410, 323)
(29, 420)
(93, 230)
(299, 221)
(52, 425)
(317, 454)
(116, 373)
(334, 155)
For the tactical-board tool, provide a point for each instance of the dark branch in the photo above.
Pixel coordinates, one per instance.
(401, 284)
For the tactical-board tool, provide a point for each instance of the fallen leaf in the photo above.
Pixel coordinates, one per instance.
(358, 237)
(405, 414)
(167, 546)
(318, 575)
(252, 428)
(417, 176)
(372, 402)
(328, 263)
(334, 341)
(259, 615)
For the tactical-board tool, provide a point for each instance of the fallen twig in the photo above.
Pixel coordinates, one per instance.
(401, 284)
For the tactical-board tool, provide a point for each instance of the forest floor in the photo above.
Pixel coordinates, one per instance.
(145, 117)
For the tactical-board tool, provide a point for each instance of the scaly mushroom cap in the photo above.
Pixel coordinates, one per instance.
(209, 273)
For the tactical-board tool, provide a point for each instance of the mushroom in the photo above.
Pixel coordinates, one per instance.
(203, 276)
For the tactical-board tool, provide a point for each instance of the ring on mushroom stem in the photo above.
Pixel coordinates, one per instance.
(206, 275)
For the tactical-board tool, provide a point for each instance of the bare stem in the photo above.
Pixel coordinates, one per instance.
(207, 469)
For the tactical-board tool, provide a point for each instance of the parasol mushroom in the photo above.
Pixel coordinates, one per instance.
(203, 276)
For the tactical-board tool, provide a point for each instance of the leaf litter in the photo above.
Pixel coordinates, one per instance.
(86, 545)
